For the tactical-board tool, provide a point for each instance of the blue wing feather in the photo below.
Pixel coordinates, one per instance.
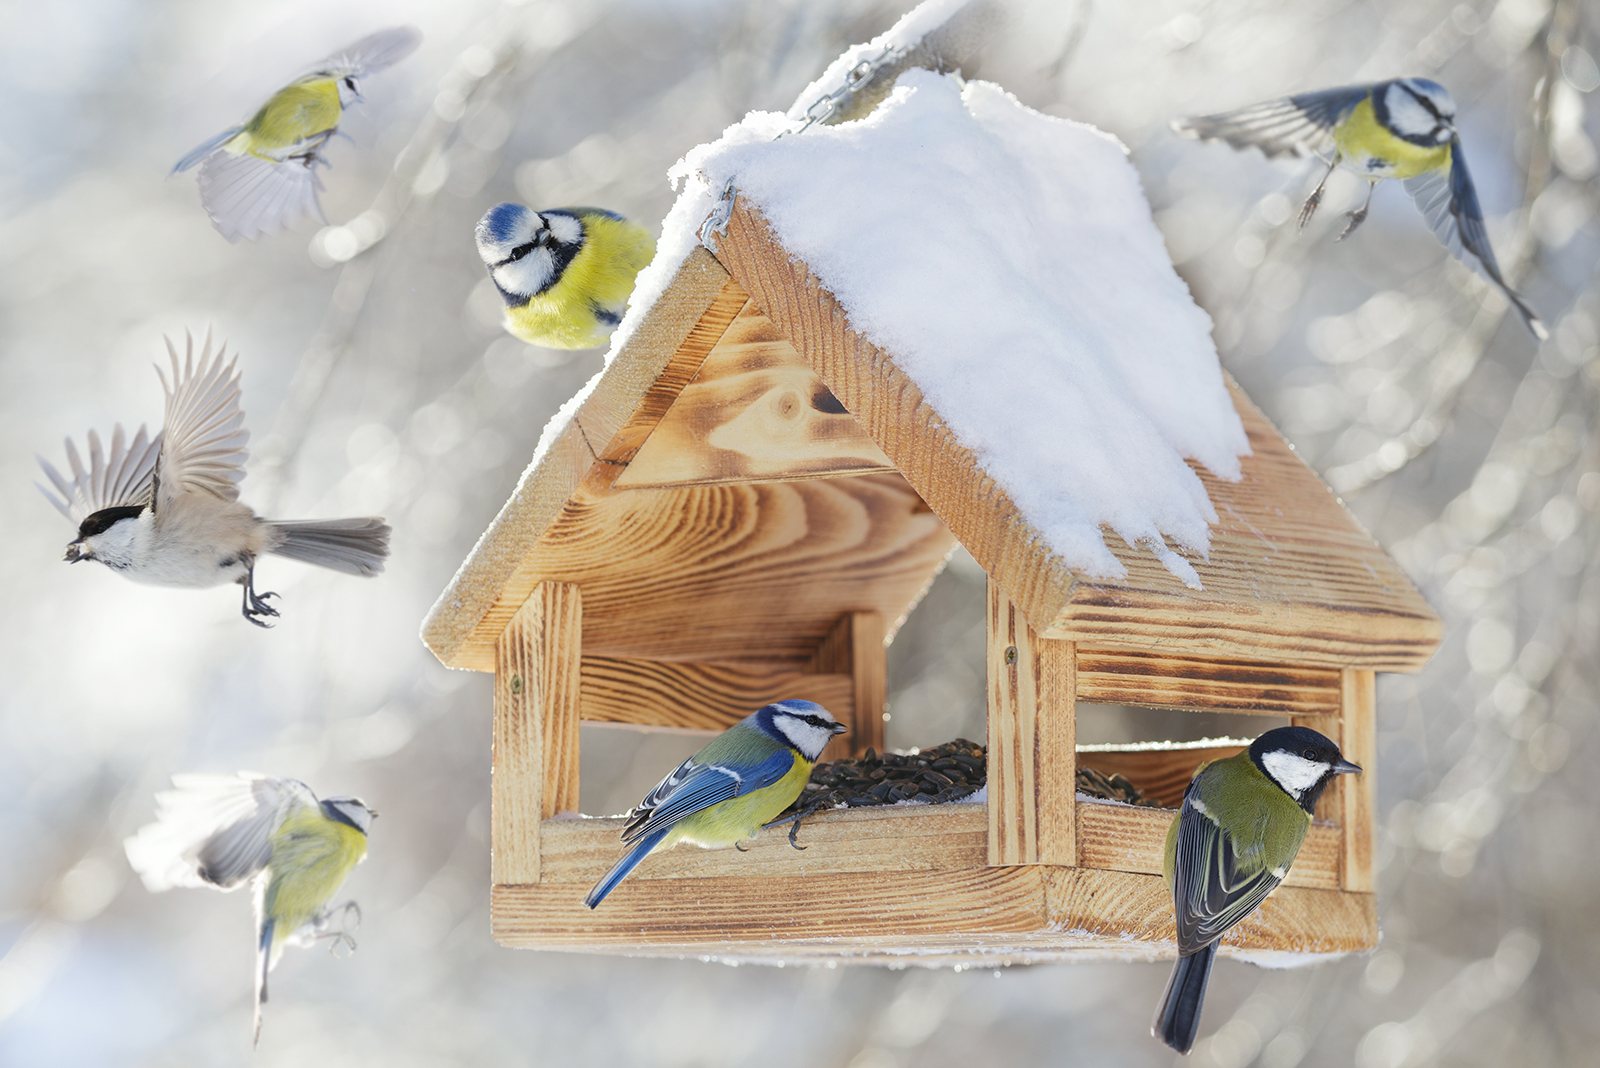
(1449, 203)
(706, 785)
(1300, 125)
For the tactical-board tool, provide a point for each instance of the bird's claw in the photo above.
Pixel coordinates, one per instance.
(794, 829)
(1353, 219)
(741, 847)
(1309, 208)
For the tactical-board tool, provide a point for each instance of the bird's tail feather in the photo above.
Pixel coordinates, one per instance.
(629, 861)
(204, 150)
(263, 965)
(1178, 1019)
(354, 546)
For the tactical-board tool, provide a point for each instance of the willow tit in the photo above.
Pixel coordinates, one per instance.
(223, 830)
(166, 511)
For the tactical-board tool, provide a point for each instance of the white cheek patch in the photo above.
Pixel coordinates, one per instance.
(1294, 773)
(1406, 113)
(565, 228)
(802, 735)
(528, 275)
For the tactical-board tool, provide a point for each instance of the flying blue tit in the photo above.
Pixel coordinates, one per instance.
(1403, 129)
(223, 830)
(262, 174)
(738, 783)
(565, 274)
(1236, 834)
(166, 511)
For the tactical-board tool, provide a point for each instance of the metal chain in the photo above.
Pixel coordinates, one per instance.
(820, 110)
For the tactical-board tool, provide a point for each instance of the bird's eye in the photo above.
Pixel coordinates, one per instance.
(350, 84)
(521, 251)
(1310, 754)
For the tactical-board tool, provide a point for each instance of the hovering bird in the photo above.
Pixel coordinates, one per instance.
(730, 789)
(166, 511)
(1403, 129)
(1235, 836)
(261, 175)
(221, 830)
(565, 274)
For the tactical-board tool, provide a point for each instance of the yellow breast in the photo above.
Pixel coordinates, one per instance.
(311, 856)
(587, 301)
(738, 818)
(295, 114)
(1370, 150)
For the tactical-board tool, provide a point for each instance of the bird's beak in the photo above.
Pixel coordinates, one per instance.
(1344, 767)
(839, 728)
(75, 552)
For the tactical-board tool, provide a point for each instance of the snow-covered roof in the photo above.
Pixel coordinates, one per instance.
(984, 290)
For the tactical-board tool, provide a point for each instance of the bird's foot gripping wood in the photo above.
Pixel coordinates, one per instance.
(255, 604)
(794, 819)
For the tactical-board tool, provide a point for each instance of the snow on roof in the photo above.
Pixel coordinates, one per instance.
(1009, 261)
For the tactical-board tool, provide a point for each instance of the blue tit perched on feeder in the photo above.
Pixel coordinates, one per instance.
(1235, 836)
(565, 274)
(222, 830)
(1401, 129)
(730, 789)
(262, 174)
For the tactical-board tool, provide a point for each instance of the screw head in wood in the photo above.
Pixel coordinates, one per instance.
(1011, 654)
(516, 684)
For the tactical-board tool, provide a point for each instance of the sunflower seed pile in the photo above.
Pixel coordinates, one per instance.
(947, 772)
(1112, 787)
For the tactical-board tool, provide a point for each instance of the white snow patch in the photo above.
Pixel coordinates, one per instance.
(1009, 261)
(913, 26)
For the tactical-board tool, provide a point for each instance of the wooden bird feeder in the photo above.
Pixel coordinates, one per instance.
(745, 506)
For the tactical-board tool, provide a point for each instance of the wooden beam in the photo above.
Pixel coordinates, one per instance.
(1032, 725)
(855, 647)
(535, 762)
(1157, 680)
(699, 697)
(1161, 774)
(1128, 838)
(755, 411)
(881, 838)
(1358, 794)
(1029, 912)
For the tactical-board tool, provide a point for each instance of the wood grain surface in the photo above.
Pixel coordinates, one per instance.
(699, 697)
(1128, 677)
(755, 411)
(535, 760)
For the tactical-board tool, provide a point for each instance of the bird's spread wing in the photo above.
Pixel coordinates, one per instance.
(204, 438)
(213, 829)
(121, 479)
(1301, 125)
(693, 787)
(247, 196)
(1213, 887)
(372, 53)
(1449, 202)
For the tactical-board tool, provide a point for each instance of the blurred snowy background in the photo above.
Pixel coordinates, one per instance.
(379, 381)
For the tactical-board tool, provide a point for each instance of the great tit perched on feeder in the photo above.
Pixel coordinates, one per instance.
(166, 511)
(737, 784)
(262, 174)
(223, 830)
(565, 274)
(1405, 129)
(1235, 836)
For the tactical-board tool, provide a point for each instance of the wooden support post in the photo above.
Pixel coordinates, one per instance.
(1032, 732)
(854, 647)
(1358, 794)
(535, 726)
